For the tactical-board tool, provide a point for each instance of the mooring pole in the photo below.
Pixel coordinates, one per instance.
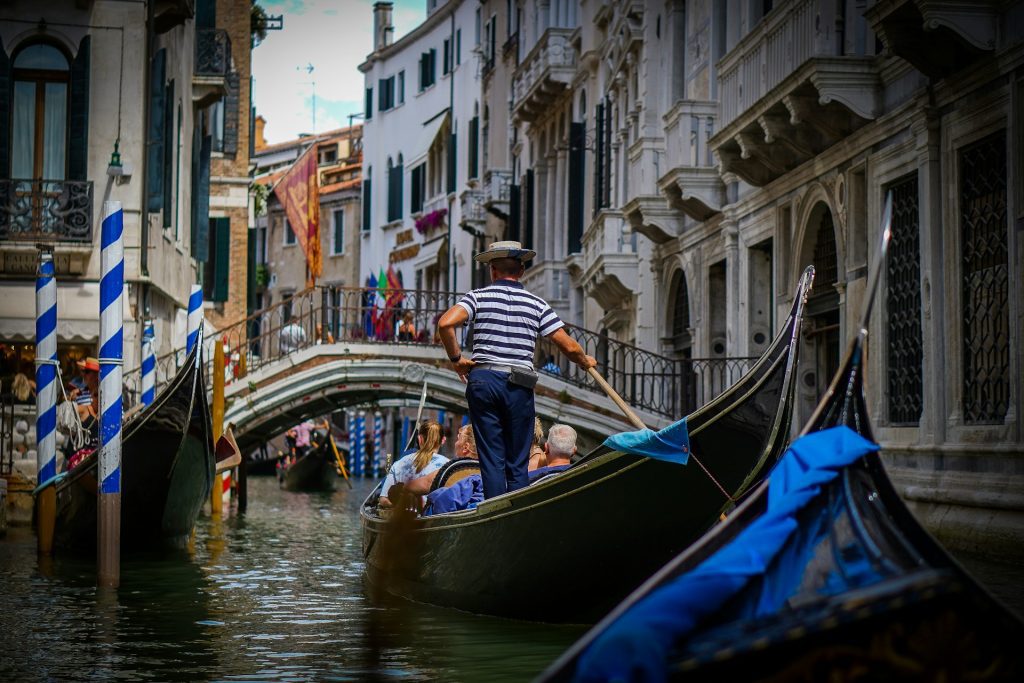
(378, 443)
(46, 400)
(111, 355)
(195, 316)
(148, 365)
(217, 494)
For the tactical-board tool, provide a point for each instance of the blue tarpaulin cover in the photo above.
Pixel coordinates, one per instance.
(773, 548)
(671, 443)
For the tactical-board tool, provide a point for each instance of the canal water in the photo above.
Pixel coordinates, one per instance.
(276, 594)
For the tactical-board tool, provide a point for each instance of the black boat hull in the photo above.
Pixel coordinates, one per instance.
(603, 525)
(315, 471)
(167, 467)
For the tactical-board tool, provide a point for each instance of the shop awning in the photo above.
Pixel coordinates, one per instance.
(428, 253)
(426, 138)
(78, 312)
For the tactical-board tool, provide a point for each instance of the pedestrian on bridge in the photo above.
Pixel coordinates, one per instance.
(507, 320)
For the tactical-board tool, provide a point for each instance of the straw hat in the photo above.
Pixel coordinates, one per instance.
(89, 364)
(505, 250)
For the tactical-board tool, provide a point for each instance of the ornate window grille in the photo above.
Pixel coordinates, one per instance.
(903, 305)
(985, 291)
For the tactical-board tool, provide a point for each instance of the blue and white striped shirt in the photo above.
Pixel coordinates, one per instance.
(506, 321)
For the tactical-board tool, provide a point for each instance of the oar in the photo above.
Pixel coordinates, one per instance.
(614, 396)
(419, 414)
(337, 456)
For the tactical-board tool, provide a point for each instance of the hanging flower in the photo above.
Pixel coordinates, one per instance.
(429, 221)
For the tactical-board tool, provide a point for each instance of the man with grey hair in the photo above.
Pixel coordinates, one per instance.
(560, 447)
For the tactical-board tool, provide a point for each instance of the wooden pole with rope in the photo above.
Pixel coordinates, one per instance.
(217, 410)
(337, 455)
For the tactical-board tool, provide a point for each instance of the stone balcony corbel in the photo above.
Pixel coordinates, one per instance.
(609, 267)
(938, 37)
(653, 217)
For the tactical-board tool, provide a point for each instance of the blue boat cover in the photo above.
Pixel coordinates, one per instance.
(769, 557)
(671, 443)
(464, 494)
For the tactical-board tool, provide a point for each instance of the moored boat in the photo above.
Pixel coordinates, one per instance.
(605, 523)
(317, 470)
(167, 467)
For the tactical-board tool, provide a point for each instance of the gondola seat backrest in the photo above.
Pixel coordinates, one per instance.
(454, 471)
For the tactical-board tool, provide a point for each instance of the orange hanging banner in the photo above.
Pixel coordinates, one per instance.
(299, 194)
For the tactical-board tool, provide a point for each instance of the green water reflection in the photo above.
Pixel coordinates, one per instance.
(275, 595)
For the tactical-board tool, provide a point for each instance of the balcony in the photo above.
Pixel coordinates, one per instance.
(212, 65)
(609, 261)
(472, 204)
(938, 37)
(692, 184)
(170, 13)
(498, 186)
(544, 74)
(46, 211)
(785, 98)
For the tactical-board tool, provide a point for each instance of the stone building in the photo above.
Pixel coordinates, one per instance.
(280, 262)
(423, 198)
(107, 100)
(678, 163)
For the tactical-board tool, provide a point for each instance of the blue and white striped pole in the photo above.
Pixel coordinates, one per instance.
(351, 442)
(195, 316)
(148, 365)
(361, 444)
(46, 398)
(111, 356)
(378, 443)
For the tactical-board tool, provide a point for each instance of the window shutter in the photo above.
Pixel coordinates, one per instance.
(250, 276)
(339, 233)
(527, 216)
(382, 101)
(230, 144)
(514, 210)
(452, 157)
(78, 149)
(598, 155)
(369, 104)
(158, 105)
(432, 59)
(222, 257)
(5, 112)
(447, 56)
(606, 168)
(577, 142)
(201, 202)
(171, 144)
(474, 146)
(206, 13)
(367, 194)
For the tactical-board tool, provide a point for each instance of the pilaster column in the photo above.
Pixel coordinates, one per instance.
(562, 216)
(730, 237)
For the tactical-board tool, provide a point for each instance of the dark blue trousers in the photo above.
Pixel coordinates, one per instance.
(502, 416)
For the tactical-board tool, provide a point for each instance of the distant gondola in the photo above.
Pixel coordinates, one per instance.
(858, 591)
(605, 524)
(317, 470)
(167, 467)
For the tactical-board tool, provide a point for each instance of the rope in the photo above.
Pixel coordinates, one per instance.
(712, 477)
(67, 414)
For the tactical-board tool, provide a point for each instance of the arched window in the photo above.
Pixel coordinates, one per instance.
(39, 112)
(680, 315)
(583, 105)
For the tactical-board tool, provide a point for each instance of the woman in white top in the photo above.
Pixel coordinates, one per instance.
(426, 461)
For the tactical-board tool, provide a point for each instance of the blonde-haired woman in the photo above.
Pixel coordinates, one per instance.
(425, 461)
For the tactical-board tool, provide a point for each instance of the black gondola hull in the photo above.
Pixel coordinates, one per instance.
(167, 467)
(315, 471)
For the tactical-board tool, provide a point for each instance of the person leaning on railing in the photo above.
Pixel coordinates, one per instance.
(507, 321)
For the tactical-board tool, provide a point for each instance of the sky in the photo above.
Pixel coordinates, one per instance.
(334, 36)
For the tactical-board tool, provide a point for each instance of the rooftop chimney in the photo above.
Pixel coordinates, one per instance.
(259, 142)
(383, 29)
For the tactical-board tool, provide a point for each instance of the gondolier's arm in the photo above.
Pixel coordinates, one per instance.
(454, 317)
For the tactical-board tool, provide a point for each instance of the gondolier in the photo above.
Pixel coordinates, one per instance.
(507, 321)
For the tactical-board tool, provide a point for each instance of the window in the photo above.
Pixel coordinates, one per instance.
(418, 191)
(474, 146)
(395, 172)
(446, 64)
(476, 28)
(401, 87)
(327, 154)
(40, 112)
(903, 306)
(366, 200)
(386, 96)
(289, 234)
(428, 69)
(458, 46)
(492, 38)
(368, 107)
(338, 237)
(217, 266)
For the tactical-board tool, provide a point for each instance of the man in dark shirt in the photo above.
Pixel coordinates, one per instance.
(507, 321)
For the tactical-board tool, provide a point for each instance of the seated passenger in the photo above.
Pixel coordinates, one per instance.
(561, 446)
(423, 463)
(465, 447)
(464, 494)
(537, 457)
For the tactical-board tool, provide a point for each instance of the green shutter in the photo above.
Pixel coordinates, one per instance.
(368, 114)
(206, 14)
(250, 271)
(230, 142)
(156, 143)
(201, 201)
(577, 147)
(365, 199)
(78, 150)
(452, 157)
(474, 146)
(221, 229)
(172, 155)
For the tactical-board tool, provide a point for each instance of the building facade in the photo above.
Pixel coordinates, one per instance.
(280, 262)
(423, 192)
(98, 101)
(677, 164)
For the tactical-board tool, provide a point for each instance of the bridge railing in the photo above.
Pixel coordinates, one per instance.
(670, 387)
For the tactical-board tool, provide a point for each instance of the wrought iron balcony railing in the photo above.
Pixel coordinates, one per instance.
(213, 52)
(46, 210)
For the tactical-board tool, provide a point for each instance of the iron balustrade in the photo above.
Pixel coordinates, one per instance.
(213, 52)
(669, 387)
(46, 210)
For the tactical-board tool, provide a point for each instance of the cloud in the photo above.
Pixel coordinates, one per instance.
(335, 36)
